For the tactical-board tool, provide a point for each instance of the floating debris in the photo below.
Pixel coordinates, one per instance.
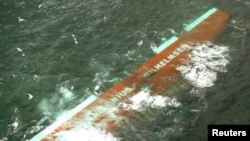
(21, 20)
(172, 31)
(19, 49)
(30, 96)
(139, 43)
(74, 37)
(40, 5)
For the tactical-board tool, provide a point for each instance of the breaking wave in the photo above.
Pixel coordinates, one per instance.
(143, 100)
(88, 133)
(204, 62)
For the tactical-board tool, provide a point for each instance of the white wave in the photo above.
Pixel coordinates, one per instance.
(204, 62)
(143, 100)
(86, 133)
(58, 101)
(101, 79)
(66, 93)
(4, 139)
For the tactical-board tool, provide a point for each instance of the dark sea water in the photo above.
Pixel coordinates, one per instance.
(48, 47)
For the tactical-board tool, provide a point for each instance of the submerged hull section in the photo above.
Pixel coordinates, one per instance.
(107, 111)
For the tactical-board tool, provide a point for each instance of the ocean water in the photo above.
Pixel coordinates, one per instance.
(52, 52)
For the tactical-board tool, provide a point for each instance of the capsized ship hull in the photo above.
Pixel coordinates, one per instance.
(159, 73)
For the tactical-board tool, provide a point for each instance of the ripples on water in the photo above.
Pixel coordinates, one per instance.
(54, 51)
